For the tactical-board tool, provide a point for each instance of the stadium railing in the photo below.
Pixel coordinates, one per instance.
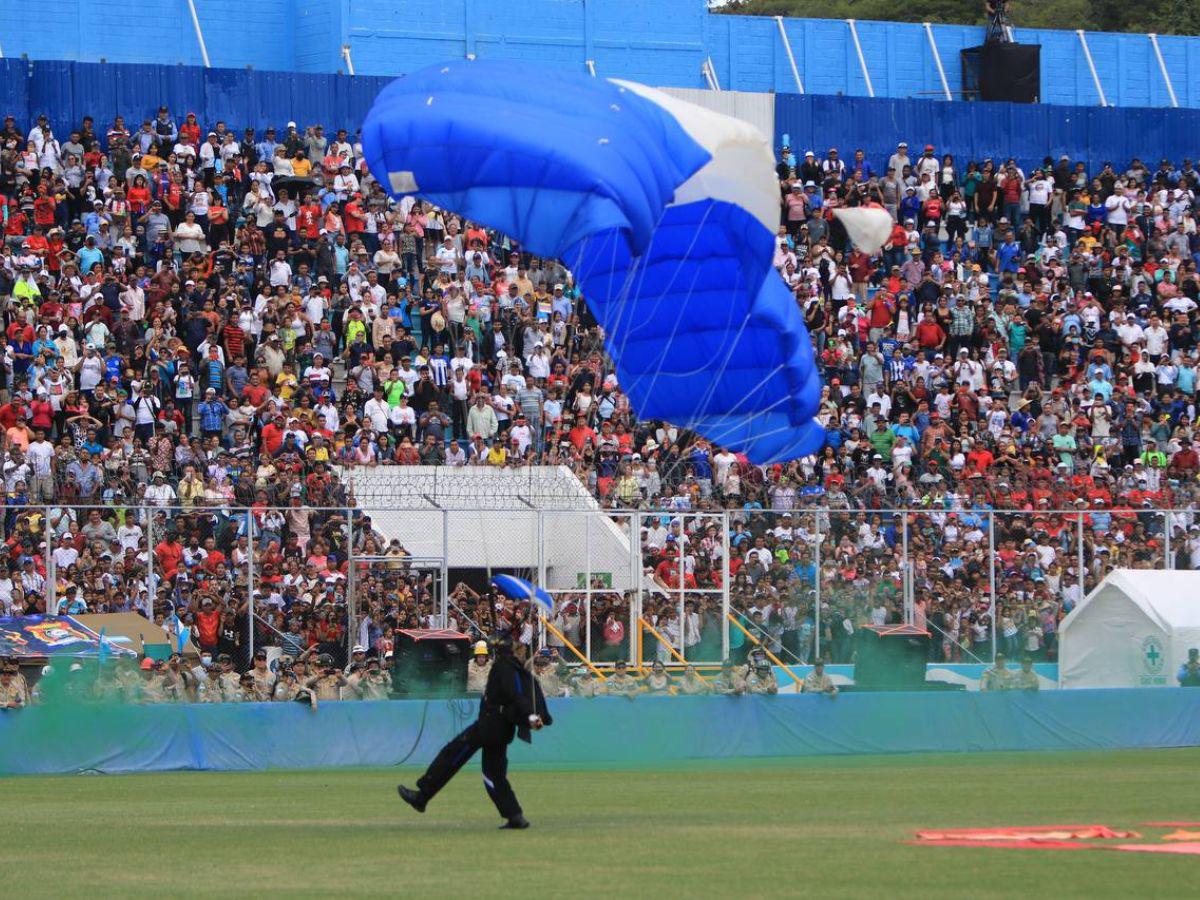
(683, 572)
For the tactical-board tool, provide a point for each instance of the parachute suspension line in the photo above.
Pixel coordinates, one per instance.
(782, 429)
(690, 423)
(724, 365)
(627, 309)
(641, 269)
(680, 311)
(766, 409)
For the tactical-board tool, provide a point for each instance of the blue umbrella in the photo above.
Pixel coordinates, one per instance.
(520, 589)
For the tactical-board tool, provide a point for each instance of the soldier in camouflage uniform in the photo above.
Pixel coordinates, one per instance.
(622, 684)
(375, 683)
(729, 681)
(586, 684)
(229, 683)
(329, 683)
(264, 679)
(547, 674)
(12, 696)
(151, 689)
(1025, 679)
(761, 680)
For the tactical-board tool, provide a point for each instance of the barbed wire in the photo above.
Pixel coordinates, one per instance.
(434, 487)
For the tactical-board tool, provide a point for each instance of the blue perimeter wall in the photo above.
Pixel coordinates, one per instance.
(67, 91)
(660, 42)
(604, 731)
(977, 131)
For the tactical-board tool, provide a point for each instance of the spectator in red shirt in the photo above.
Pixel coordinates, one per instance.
(930, 335)
(168, 555)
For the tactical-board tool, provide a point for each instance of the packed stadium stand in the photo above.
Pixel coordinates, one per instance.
(232, 362)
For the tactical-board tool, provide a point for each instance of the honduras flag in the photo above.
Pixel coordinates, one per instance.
(520, 589)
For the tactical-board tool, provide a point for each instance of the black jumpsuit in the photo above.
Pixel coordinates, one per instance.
(511, 696)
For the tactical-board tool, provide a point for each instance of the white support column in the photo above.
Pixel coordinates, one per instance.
(1168, 555)
(151, 581)
(787, 48)
(937, 59)
(817, 592)
(992, 578)
(346, 57)
(1162, 67)
(710, 74)
(199, 33)
(635, 604)
(862, 60)
(351, 584)
(591, 67)
(587, 583)
(444, 593)
(906, 570)
(1087, 54)
(250, 605)
(725, 579)
(51, 569)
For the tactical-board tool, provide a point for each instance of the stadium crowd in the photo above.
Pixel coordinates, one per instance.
(205, 327)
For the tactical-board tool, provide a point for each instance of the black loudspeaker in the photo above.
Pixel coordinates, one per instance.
(430, 662)
(890, 657)
(1006, 72)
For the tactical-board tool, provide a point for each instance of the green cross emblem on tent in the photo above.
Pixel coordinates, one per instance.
(1153, 658)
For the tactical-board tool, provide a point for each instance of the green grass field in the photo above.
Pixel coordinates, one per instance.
(827, 826)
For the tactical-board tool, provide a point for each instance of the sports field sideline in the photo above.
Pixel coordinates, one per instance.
(817, 826)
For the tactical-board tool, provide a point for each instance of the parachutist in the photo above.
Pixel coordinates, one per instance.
(675, 265)
(512, 706)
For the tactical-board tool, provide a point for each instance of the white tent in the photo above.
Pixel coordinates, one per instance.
(1133, 630)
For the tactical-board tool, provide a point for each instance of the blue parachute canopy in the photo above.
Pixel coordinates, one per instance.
(665, 212)
(519, 589)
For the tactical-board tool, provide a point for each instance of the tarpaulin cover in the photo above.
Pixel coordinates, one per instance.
(1036, 833)
(602, 731)
(1192, 849)
(68, 91)
(1023, 844)
(977, 131)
